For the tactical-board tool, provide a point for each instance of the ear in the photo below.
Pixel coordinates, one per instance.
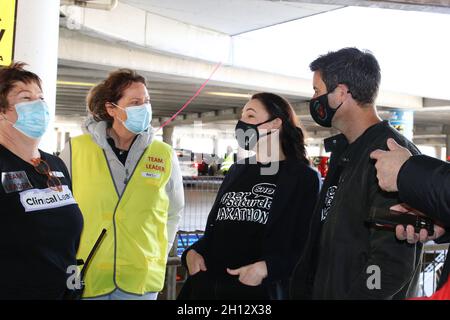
(277, 123)
(343, 90)
(110, 109)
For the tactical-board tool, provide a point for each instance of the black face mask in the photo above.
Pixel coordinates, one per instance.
(321, 111)
(249, 136)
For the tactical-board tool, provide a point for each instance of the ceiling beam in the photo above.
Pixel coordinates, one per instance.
(437, 6)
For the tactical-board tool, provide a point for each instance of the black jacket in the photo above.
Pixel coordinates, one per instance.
(288, 225)
(424, 183)
(340, 252)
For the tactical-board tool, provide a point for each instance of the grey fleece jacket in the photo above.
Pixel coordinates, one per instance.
(121, 174)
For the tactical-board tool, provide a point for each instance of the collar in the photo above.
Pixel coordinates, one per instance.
(335, 143)
(339, 141)
(99, 134)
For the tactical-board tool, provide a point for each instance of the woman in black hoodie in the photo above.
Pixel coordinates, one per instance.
(259, 222)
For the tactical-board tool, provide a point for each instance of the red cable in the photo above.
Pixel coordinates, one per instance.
(192, 98)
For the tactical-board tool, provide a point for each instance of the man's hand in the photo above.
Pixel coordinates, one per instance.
(252, 274)
(409, 234)
(389, 163)
(195, 262)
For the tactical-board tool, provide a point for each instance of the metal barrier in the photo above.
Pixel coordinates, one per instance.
(199, 193)
(174, 280)
(432, 261)
(186, 239)
(170, 286)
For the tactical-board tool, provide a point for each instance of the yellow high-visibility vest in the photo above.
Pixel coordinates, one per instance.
(227, 162)
(133, 254)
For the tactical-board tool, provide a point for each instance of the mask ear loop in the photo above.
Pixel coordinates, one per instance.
(340, 105)
(281, 116)
(348, 91)
(4, 118)
(269, 132)
(115, 105)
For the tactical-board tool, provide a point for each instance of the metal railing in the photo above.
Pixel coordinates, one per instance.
(432, 262)
(199, 194)
(175, 273)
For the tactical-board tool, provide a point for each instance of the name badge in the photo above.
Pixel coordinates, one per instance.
(15, 181)
(151, 175)
(42, 199)
(58, 174)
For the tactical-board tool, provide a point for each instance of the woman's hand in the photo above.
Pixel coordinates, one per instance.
(252, 274)
(195, 262)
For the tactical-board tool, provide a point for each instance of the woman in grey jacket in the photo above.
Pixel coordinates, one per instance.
(119, 152)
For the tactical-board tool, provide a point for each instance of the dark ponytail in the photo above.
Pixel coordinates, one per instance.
(291, 136)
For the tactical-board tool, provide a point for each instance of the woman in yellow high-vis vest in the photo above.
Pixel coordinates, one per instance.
(128, 183)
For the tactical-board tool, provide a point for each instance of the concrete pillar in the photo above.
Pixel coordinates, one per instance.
(321, 149)
(215, 145)
(403, 121)
(167, 134)
(447, 146)
(36, 43)
(438, 152)
(447, 142)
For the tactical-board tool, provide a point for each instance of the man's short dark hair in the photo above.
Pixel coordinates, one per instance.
(359, 70)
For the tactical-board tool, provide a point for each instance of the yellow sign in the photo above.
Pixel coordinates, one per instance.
(7, 31)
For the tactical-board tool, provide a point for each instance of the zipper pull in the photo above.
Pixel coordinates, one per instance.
(125, 181)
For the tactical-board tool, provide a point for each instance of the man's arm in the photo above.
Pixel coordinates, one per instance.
(445, 238)
(424, 183)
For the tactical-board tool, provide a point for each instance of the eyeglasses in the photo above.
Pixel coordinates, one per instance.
(42, 167)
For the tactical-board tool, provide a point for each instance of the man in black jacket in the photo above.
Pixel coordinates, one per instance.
(345, 257)
(423, 183)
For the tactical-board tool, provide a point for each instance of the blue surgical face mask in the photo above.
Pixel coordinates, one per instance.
(138, 117)
(33, 118)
